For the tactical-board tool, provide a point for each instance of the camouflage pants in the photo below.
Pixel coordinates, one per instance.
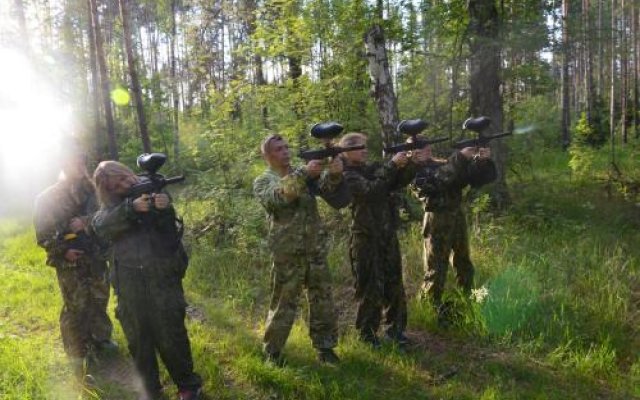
(289, 275)
(446, 232)
(83, 319)
(377, 267)
(151, 309)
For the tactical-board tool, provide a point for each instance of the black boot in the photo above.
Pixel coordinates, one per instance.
(328, 356)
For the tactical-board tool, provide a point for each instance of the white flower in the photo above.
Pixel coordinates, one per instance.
(478, 295)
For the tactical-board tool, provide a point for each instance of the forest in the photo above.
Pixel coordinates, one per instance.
(556, 312)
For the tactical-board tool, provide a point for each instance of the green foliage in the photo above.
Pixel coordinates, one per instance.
(581, 150)
(585, 134)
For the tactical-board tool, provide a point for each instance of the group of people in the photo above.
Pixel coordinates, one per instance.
(83, 221)
(297, 239)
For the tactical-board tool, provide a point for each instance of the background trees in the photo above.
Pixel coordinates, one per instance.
(203, 74)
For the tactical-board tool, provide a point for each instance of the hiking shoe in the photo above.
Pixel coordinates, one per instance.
(190, 394)
(275, 358)
(328, 356)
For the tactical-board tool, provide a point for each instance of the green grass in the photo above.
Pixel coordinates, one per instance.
(561, 318)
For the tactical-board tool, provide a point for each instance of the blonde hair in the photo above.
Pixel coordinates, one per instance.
(102, 179)
(353, 139)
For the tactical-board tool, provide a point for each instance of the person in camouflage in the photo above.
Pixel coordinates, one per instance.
(374, 250)
(148, 266)
(439, 185)
(297, 242)
(61, 218)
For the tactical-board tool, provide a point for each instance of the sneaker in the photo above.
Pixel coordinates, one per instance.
(190, 394)
(274, 358)
(328, 356)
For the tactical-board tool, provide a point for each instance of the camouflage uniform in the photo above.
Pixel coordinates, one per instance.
(84, 285)
(439, 186)
(376, 262)
(149, 264)
(298, 244)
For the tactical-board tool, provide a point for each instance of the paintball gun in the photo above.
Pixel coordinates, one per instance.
(155, 182)
(325, 132)
(478, 125)
(412, 127)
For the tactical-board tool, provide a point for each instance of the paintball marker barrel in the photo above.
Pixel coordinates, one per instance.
(481, 141)
(154, 185)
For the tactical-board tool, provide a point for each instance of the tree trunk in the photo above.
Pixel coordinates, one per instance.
(623, 72)
(133, 74)
(636, 67)
(600, 30)
(22, 26)
(612, 89)
(104, 80)
(95, 89)
(565, 106)
(382, 86)
(484, 81)
(174, 83)
(588, 45)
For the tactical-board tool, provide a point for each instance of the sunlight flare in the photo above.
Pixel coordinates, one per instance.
(33, 118)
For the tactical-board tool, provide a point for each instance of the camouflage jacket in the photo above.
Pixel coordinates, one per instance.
(295, 225)
(139, 240)
(54, 209)
(373, 208)
(439, 184)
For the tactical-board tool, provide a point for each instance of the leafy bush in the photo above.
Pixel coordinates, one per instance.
(582, 152)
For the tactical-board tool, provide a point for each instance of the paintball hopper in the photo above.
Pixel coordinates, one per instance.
(476, 124)
(326, 130)
(151, 162)
(412, 127)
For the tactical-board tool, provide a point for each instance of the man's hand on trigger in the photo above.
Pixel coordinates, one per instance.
(419, 156)
(314, 168)
(468, 152)
(400, 159)
(161, 200)
(142, 204)
(484, 152)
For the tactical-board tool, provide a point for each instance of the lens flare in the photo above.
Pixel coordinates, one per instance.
(33, 120)
(120, 97)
